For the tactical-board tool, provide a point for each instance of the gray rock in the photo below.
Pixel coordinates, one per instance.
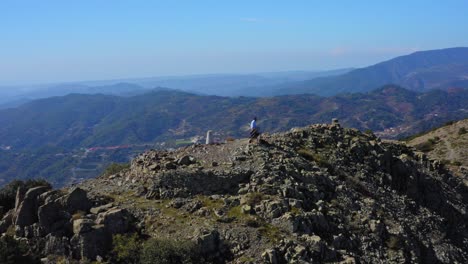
(49, 214)
(178, 203)
(170, 166)
(81, 226)
(27, 211)
(115, 220)
(246, 209)
(55, 245)
(192, 206)
(270, 256)
(6, 221)
(76, 200)
(50, 196)
(208, 240)
(102, 208)
(19, 197)
(92, 244)
(154, 167)
(186, 160)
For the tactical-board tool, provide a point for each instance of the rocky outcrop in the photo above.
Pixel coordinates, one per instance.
(332, 194)
(60, 223)
(26, 213)
(319, 194)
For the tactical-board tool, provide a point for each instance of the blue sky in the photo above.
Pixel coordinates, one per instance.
(49, 41)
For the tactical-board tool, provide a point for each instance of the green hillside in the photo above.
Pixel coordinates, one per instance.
(48, 137)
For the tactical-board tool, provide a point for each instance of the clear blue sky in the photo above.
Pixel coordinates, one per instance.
(47, 41)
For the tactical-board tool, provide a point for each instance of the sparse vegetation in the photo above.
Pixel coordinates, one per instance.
(313, 156)
(166, 251)
(271, 232)
(8, 192)
(236, 212)
(295, 211)
(115, 168)
(253, 223)
(126, 249)
(429, 145)
(393, 242)
(210, 203)
(409, 138)
(13, 251)
(462, 131)
(183, 142)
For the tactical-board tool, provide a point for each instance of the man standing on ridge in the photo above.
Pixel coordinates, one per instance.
(254, 131)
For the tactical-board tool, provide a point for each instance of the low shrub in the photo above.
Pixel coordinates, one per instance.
(8, 192)
(312, 156)
(429, 145)
(126, 249)
(393, 242)
(166, 251)
(13, 251)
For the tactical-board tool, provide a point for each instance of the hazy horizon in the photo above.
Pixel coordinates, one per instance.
(56, 42)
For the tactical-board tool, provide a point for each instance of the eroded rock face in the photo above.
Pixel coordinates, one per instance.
(60, 223)
(90, 245)
(320, 194)
(6, 221)
(26, 214)
(339, 194)
(116, 220)
(76, 200)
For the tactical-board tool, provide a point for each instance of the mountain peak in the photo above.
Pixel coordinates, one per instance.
(306, 184)
(420, 71)
(321, 193)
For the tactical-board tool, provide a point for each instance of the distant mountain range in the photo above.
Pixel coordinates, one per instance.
(210, 84)
(87, 120)
(256, 84)
(42, 137)
(420, 71)
(14, 99)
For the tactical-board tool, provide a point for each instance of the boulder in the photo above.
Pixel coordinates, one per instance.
(56, 245)
(49, 214)
(208, 240)
(91, 245)
(246, 209)
(116, 220)
(186, 160)
(76, 200)
(50, 196)
(81, 226)
(270, 256)
(26, 213)
(102, 208)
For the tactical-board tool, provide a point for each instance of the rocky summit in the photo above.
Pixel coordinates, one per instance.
(318, 194)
